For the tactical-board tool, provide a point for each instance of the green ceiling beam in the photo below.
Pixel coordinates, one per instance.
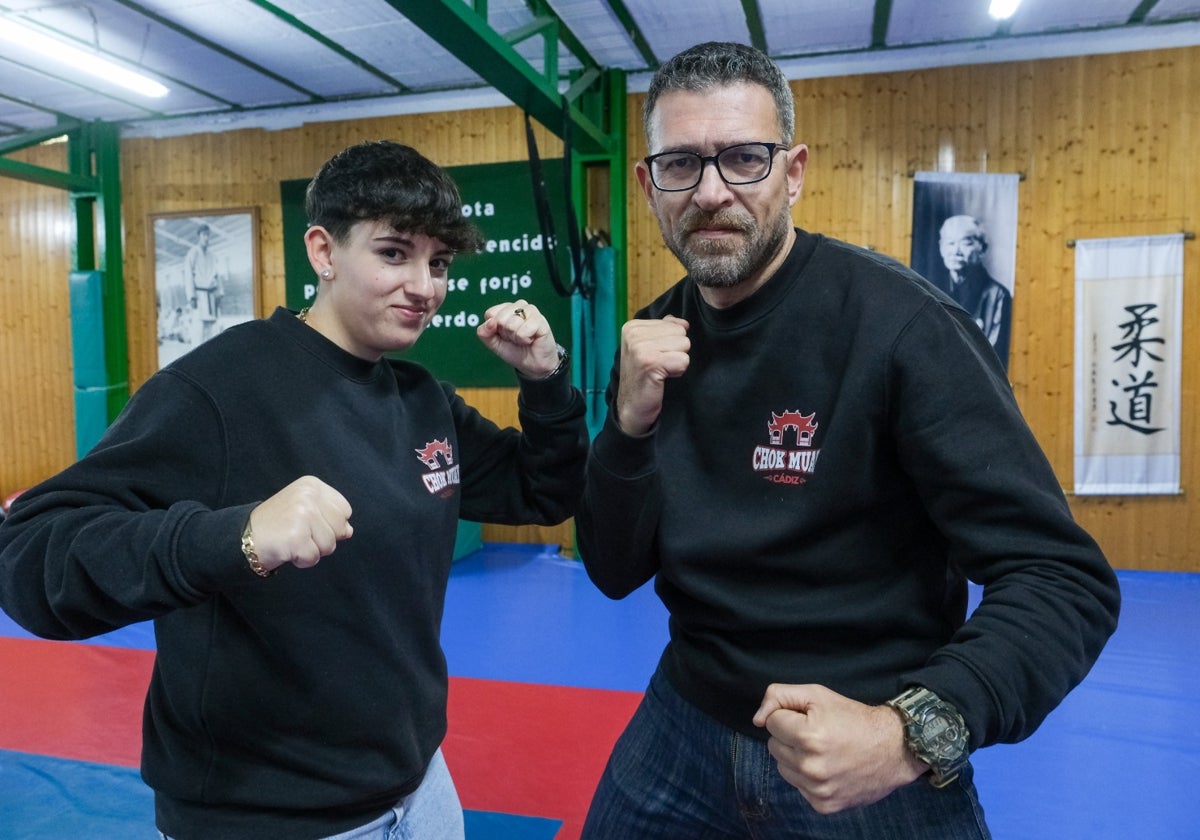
(330, 44)
(72, 181)
(540, 25)
(1143, 9)
(541, 9)
(466, 34)
(580, 86)
(754, 24)
(879, 27)
(33, 138)
(197, 38)
(634, 32)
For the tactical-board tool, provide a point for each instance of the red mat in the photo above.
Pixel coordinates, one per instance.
(533, 750)
(82, 702)
(513, 748)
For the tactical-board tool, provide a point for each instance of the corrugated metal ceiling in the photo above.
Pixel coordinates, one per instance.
(234, 63)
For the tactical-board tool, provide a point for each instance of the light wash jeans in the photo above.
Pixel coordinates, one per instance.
(677, 773)
(431, 812)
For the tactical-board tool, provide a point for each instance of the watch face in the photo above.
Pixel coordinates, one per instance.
(936, 727)
(944, 736)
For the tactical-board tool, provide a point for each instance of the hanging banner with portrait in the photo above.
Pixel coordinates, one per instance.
(965, 242)
(1128, 363)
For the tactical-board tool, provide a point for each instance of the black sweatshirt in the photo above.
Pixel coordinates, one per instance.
(842, 453)
(310, 702)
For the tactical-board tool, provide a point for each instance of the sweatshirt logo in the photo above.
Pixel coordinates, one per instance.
(789, 457)
(440, 480)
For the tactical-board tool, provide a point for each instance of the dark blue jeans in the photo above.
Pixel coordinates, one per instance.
(677, 774)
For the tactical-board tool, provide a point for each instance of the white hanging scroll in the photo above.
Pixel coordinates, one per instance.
(1128, 359)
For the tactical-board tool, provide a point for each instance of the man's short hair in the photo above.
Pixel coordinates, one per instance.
(380, 180)
(718, 64)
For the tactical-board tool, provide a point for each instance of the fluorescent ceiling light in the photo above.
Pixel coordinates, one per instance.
(80, 59)
(1003, 9)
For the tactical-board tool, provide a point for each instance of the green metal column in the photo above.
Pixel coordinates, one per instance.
(597, 319)
(618, 188)
(93, 158)
(106, 145)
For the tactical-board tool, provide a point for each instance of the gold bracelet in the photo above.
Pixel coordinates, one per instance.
(256, 565)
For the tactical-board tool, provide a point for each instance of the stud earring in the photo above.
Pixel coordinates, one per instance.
(325, 273)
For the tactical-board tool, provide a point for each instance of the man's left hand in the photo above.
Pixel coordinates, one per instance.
(837, 752)
(520, 335)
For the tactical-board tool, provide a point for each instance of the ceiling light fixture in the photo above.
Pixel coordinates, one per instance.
(80, 59)
(1003, 9)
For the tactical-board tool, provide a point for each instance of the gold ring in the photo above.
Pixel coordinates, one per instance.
(520, 313)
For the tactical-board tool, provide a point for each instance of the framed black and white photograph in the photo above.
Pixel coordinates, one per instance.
(205, 275)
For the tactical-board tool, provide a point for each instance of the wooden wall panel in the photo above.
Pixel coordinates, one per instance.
(37, 408)
(1105, 145)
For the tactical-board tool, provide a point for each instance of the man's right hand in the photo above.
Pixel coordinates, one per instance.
(652, 351)
(300, 524)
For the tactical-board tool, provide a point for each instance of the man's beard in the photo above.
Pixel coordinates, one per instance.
(723, 264)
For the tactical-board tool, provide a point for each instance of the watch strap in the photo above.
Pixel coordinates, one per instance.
(563, 358)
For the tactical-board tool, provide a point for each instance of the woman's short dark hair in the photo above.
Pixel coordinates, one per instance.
(384, 181)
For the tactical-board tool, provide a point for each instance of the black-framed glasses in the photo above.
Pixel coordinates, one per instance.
(745, 163)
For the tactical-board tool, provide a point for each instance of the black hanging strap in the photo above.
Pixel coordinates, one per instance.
(574, 239)
(545, 218)
(580, 283)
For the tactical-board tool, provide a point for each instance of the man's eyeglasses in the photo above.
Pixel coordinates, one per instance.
(745, 163)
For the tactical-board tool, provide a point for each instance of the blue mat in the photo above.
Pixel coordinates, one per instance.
(1118, 760)
(45, 797)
